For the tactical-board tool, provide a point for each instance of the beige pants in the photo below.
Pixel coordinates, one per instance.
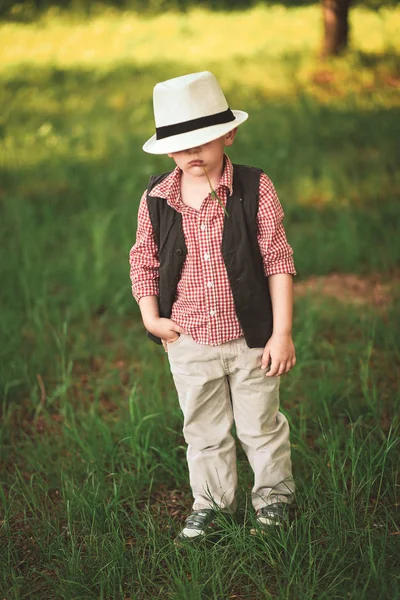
(217, 386)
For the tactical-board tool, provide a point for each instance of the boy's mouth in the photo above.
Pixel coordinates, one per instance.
(196, 163)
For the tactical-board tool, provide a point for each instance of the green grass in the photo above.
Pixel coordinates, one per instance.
(93, 471)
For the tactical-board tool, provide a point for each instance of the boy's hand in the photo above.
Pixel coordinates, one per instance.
(166, 329)
(280, 351)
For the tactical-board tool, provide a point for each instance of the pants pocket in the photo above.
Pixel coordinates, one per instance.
(175, 342)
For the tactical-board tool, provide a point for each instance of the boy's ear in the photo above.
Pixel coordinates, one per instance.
(230, 136)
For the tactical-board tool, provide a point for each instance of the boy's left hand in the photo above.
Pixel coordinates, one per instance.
(280, 351)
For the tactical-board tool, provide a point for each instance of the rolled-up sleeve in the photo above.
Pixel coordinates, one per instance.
(143, 257)
(275, 250)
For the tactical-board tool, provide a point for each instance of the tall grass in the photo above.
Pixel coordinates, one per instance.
(94, 476)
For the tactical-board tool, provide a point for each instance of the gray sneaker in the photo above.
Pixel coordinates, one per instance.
(271, 516)
(197, 526)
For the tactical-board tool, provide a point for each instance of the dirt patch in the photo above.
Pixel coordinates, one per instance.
(375, 289)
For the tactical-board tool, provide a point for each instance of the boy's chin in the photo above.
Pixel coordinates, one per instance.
(195, 170)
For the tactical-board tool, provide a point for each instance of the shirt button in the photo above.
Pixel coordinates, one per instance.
(203, 227)
(212, 313)
(206, 256)
(210, 284)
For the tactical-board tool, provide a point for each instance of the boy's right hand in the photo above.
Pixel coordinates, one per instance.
(166, 329)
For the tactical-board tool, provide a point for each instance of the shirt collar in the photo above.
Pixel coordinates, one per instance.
(170, 188)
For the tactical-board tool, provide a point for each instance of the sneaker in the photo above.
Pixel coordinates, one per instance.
(271, 516)
(197, 525)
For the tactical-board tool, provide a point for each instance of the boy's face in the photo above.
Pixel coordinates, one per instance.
(208, 155)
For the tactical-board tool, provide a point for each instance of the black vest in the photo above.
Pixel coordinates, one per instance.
(239, 249)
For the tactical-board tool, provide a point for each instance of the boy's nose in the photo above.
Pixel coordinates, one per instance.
(194, 150)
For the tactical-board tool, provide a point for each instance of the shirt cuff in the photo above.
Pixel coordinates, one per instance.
(147, 288)
(283, 266)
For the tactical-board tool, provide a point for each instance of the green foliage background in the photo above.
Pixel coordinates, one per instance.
(33, 8)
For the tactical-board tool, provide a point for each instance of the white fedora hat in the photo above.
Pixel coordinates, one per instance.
(190, 111)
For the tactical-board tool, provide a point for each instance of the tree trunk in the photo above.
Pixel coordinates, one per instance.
(336, 26)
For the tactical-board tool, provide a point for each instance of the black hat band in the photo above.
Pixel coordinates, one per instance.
(169, 130)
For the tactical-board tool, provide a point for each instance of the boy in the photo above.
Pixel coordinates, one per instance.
(212, 272)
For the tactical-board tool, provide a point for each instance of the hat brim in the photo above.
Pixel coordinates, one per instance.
(184, 141)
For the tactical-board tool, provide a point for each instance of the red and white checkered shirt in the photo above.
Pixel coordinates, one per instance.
(204, 303)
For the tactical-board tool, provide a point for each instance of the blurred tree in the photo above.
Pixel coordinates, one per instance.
(336, 26)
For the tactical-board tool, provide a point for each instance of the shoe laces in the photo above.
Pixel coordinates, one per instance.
(199, 518)
(277, 510)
